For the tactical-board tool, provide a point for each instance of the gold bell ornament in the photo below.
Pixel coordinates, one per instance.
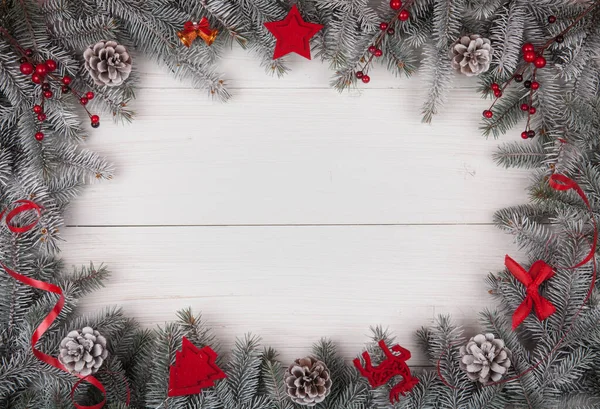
(200, 29)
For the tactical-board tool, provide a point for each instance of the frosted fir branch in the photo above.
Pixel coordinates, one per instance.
(196, 330)
(85, 164)
(507, 113)
(447, 16)
(442, 342)
(261, 41)
(88, 279)
(506, 35)
(418, 32)
(77, 34)
(166, 343)
(400, 58)
(519, 155)
(326, 351)
(272, 376)
(349, 30)
(243, 373)
(439, 75)
(484, 9)
(5, 165)
(16, 87)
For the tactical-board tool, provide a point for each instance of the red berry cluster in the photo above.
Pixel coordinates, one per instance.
(42, 74)
(530, 56)
(386, 28)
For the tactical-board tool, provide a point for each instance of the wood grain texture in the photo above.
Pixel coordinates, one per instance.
(294, 212)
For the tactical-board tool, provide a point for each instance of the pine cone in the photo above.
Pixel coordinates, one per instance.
(308, 381)
(108, 63)
(471, 55)
(485, 358)
(83, 352)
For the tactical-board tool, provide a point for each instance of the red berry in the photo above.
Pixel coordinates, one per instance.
(395, 4)
(372, 49)
(51, 65)
(524, 135)
(366, 79)
(404, 15)
(531, 133)
(532, 110)
(528, 47)
(89, 95)
(391, 31)
(529, 56)
(26, 68)
(359, 74)
(551, 19)
(29, 52)
(535, 85)
(497, 93)
(495, 86)
(65, 89)
(41, 117)
(41, 69)
(383, 26)
(378, 53)
(66, 80)
(36, 78)
(524, 107)
(539, 62)
(37, 109)
(39, 136)
(488, 114)
(83, 100)
(95, 118)
(48, 94)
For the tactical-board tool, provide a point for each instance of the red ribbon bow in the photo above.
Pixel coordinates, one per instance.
(538, 273)
(201, 25)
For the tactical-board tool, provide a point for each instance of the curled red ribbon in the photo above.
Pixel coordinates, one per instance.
(24, 206)
(560, 183)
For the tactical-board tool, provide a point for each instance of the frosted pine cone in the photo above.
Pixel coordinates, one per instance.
(108, 63)
(83, 352)
(308, 381)
(485, 359)
(471, 55)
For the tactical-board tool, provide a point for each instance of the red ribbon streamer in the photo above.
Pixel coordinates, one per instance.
(24, 206)
(560, 183)
(538, 273)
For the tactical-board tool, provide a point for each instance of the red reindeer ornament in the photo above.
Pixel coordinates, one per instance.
(393, 365)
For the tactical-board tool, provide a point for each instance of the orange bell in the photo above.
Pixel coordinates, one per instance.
(208, 36)
(187, 37)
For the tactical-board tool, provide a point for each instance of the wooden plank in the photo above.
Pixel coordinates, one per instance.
(298, 156)
(293, 285)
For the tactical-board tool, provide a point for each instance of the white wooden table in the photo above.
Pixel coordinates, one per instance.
(294, 212)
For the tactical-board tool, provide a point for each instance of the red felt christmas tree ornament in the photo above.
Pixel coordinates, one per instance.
(293, 34)
(194, 370)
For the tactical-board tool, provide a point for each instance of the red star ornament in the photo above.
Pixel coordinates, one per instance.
(194, 370)
(292, 34)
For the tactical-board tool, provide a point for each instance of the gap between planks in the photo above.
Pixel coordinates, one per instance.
(274, 225)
